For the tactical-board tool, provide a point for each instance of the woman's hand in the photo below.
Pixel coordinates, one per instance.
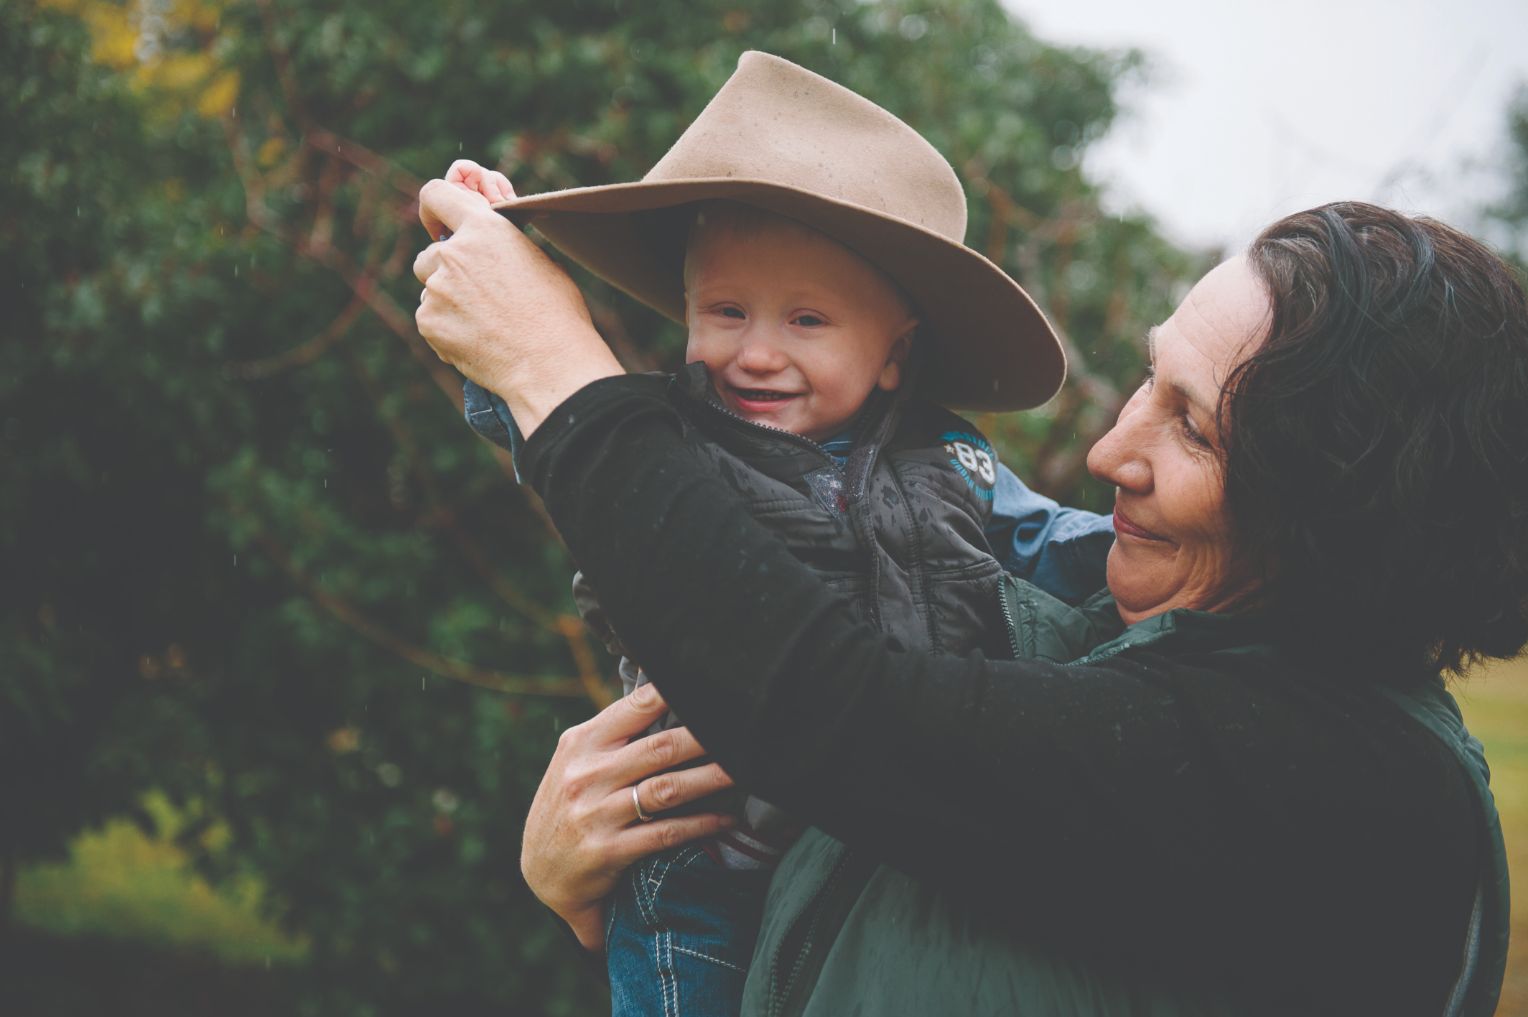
(497, 309)
(583, 829)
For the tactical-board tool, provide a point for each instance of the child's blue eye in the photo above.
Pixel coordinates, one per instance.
(809, 321)
(730, 312)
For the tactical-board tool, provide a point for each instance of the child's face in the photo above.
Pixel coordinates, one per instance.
(795, 329)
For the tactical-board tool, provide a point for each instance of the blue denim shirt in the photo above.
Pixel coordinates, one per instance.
(1061, 550)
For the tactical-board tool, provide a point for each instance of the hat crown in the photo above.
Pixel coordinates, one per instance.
(776, 122)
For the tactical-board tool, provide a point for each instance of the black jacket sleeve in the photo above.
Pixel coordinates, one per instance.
(1150, 808)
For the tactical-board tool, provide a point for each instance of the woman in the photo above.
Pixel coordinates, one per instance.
(1256, 798)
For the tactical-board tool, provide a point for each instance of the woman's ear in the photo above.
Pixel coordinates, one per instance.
(896, 357)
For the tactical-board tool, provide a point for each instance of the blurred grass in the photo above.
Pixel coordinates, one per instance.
(1495, 705)
(120, 883)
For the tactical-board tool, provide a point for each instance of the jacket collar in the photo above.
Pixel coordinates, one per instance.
(1178, 629)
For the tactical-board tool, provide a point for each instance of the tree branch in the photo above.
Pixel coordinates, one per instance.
(456, 670)
(363, 284)
(303, 354)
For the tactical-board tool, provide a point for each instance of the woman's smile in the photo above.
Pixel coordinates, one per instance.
(1124, 525)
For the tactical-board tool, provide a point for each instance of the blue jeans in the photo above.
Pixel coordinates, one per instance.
(680, 935)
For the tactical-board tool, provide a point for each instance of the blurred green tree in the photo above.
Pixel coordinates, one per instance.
(1506, 218)
(256, 560)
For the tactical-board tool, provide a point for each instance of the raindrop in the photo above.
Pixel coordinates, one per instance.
(421, 683)
(835, 37)
(326, 483)
(235, 561)
(913, 27)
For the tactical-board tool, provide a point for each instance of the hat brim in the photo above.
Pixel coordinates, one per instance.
(993, 348)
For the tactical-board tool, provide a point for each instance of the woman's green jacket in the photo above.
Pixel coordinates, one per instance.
(843, 935)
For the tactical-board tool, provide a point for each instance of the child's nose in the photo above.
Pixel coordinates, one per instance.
(759, 355)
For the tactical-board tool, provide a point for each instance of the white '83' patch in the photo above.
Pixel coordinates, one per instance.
(973, 459)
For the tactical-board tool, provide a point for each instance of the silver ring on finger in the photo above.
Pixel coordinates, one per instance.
(636, 800)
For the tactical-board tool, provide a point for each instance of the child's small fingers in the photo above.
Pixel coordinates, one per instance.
(464, 171)
(501, 183)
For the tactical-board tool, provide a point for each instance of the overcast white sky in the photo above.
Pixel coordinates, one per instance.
(1258, 109)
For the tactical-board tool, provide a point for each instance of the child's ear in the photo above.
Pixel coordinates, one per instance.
(896, 358)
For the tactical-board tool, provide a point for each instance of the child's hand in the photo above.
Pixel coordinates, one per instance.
(491, 184)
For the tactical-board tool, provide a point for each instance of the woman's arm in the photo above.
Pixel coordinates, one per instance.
(1139, 804)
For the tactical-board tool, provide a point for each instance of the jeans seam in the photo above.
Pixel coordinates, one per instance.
(665, 974)
(655, 887)
(610, 917)
(638, 896)
(647, 880)
(708, 957)
(639, 883)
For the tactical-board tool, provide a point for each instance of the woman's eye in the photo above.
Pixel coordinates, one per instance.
(1192, 433)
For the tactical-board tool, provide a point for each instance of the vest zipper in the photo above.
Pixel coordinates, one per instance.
(823, 916)
(1005, 600)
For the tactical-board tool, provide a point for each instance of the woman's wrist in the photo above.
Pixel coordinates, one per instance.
(588, 927)
(533, 390)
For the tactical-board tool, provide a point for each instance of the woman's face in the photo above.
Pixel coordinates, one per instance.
(1173, 539)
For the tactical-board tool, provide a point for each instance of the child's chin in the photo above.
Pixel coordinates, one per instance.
(778, 421)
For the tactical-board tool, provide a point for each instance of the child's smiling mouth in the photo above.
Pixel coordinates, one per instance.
(759, 400)
(762, 394)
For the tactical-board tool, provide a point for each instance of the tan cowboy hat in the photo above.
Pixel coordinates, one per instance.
(788, 141)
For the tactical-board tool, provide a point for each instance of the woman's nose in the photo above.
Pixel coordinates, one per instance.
(1121, 457)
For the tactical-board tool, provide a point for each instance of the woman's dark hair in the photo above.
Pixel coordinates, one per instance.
(1377, 441)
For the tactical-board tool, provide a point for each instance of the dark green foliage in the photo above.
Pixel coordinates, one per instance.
(247, 542)
(1506, 219)
(43, 975)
